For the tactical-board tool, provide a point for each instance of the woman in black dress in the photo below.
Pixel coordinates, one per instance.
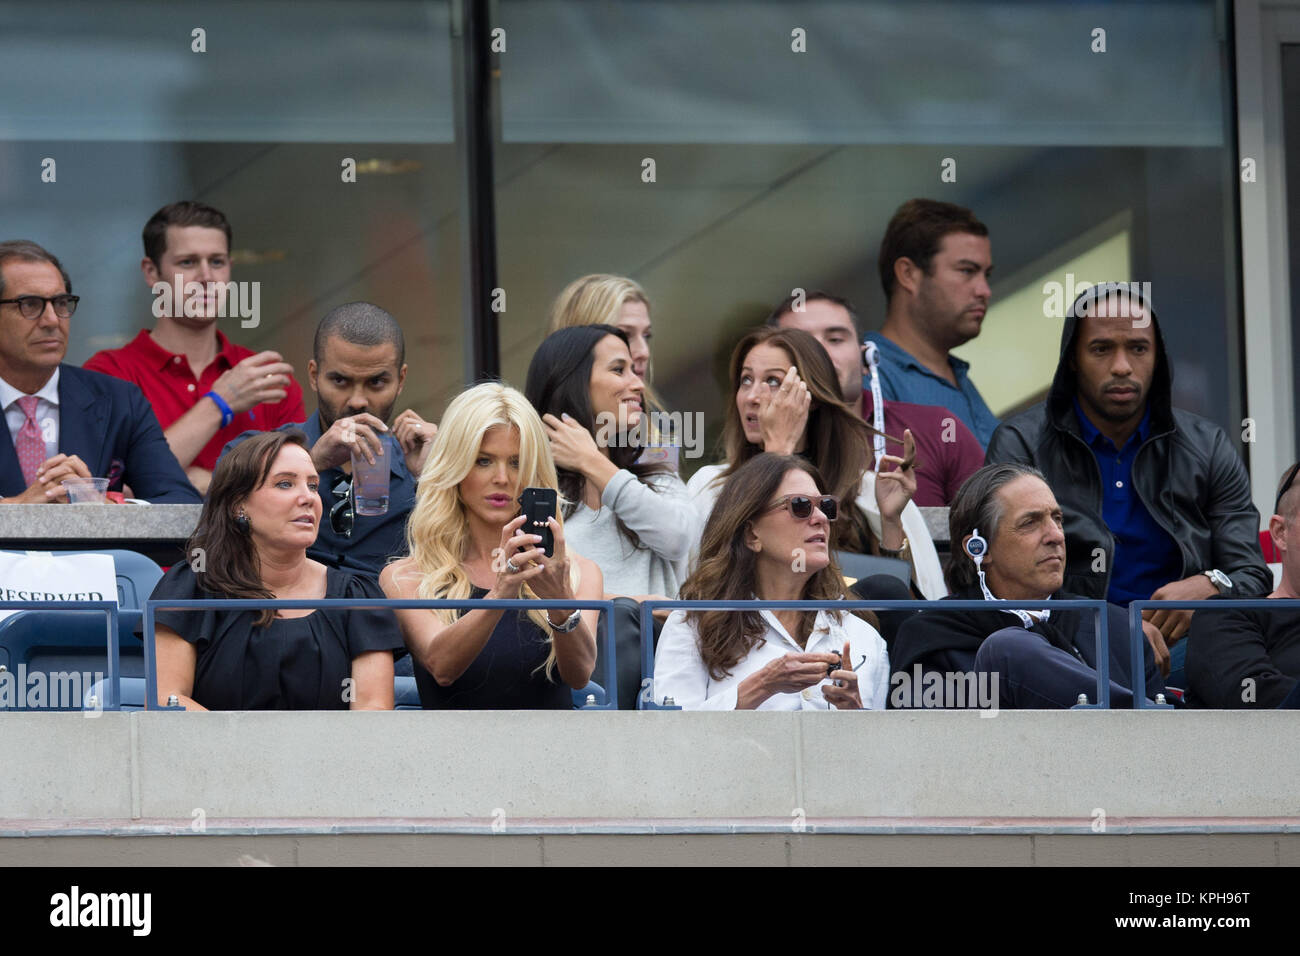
(262, 512)
(466, 541)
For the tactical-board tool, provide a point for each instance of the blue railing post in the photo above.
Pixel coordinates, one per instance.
(114, 693)
(1137, 655)
(1138, 638)
(1101, 629)
(112, 644)
(645, 694)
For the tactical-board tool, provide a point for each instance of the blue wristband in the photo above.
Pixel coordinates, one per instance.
(227, 414)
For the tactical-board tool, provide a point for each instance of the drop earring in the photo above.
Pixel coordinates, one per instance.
(241, 522)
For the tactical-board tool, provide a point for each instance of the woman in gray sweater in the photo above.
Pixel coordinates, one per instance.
(634, 520)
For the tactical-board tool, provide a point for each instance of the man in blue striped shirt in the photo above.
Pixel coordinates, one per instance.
(935, 263)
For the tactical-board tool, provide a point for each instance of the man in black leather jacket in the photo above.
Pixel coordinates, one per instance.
(1156, 499)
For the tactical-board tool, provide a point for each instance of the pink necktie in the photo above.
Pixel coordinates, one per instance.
(29, 443)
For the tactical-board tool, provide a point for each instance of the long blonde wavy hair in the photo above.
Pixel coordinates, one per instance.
(598, 299)
(437, 533)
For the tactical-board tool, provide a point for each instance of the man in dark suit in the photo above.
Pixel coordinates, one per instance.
(64, 422)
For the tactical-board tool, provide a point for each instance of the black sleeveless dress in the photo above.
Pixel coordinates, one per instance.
(300, 663)
(508, 673)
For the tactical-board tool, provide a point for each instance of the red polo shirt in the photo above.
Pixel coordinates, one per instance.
(947, 452)
(172, 389)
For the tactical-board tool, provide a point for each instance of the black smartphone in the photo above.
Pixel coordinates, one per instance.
(537, 505)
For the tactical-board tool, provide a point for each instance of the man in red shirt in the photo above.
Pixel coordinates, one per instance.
(947, 452)
(204, 389)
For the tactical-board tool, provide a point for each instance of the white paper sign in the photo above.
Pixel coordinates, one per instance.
(52, 579)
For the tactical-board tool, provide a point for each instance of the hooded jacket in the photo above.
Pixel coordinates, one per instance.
(1187, 474)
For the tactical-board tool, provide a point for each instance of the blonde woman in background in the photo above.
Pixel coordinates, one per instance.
(467, 540)
(602, 299)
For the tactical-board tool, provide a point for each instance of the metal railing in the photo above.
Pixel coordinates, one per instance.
(469, 604)
(646, 697)
(110, 609)
(1137, 637)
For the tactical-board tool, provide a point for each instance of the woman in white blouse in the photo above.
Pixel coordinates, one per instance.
(769, 538)
(786, 399)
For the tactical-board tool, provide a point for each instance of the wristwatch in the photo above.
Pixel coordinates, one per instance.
(1221, 580)
(570, 623)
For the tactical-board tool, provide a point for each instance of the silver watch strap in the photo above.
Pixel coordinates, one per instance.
(570, 623)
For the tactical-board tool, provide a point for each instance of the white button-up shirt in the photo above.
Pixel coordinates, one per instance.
(704, 493)
(47, 412)
(680, 672)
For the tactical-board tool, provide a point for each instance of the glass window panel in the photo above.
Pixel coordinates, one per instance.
(1001, 73)
(257, 126)
(775, 169)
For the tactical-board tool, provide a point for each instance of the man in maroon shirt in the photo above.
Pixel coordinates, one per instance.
(204, 389)
(947, 452)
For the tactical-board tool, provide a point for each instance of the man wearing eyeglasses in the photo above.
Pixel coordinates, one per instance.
(66, 422)
(357, 371)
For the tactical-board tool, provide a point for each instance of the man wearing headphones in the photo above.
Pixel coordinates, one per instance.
(1009, 545)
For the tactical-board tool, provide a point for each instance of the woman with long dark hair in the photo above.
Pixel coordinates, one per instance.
(262, 512)
(769, 538)
(634, 520)
(786, 400)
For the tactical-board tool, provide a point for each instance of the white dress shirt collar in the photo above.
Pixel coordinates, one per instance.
(49, 392)
(820, 627)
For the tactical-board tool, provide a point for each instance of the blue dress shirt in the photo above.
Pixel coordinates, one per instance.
(1145, 557)
(904, 379)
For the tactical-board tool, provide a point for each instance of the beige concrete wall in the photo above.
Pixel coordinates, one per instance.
(618, 766)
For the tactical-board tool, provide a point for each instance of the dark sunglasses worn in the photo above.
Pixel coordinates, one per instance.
(801, 506)
(1286, 486)
(342, 514)
(31, 306)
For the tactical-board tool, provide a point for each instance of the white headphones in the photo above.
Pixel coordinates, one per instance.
(977, 547)
(871, 361)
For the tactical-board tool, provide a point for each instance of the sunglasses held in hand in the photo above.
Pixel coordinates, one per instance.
(342, 514)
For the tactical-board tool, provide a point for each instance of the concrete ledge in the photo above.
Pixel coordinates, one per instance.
(769, 849)
(116, 522)
(861, 826)
(1039, 768)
